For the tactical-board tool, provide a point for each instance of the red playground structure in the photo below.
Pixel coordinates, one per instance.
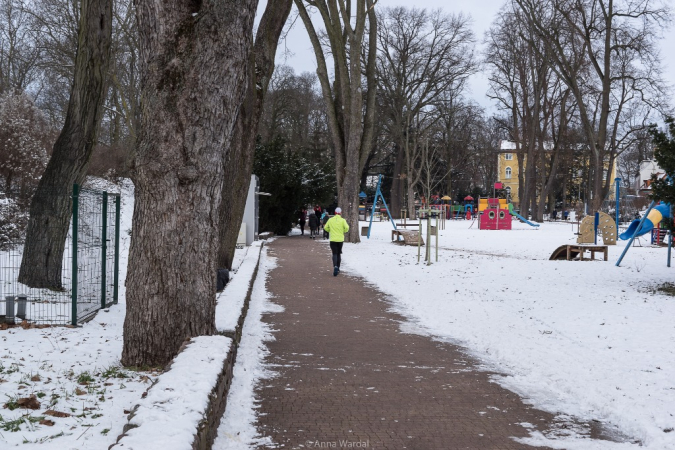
(494, 212)
(495, 216)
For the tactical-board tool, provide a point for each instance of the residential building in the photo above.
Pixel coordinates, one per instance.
(508, 170)
(648, 168)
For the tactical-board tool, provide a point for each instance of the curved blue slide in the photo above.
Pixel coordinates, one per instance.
(518, 216)
(655, 216)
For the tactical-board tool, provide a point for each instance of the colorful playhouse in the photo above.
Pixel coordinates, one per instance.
(496, 212)
(493, 214)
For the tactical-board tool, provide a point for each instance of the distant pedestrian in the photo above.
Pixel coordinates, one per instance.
(318, 212)
(324, 218)
(313, 225)
(337, 227)
(302, 220)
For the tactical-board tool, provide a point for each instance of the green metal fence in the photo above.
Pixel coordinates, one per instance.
(90, 271)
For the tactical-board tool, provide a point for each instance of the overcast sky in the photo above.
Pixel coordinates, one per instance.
(482, 12)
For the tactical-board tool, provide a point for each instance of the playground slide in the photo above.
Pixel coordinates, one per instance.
(521, 218)
(653, 219)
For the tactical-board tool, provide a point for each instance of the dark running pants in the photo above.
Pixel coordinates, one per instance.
(336, 248)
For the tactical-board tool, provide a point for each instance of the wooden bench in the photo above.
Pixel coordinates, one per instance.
(570, 252)
(409, 237)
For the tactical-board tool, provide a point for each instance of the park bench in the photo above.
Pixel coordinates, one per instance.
(409, 237)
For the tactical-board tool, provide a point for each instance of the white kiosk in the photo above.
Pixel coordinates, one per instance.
(248, 232)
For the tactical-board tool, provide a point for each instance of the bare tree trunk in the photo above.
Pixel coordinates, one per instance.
(50, 209)
(558, 136)
(346, 196)
(365, 171)
(350, 104)
(397, 183)
(528, 143)
(194, 59)
(239, 162)
(530, 190)
(411, 201)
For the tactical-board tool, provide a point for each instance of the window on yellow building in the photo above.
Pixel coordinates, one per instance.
(508, 156)
(508, 172)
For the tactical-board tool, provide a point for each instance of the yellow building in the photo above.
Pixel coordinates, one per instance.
(507, 169)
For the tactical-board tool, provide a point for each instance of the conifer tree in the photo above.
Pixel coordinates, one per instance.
(664, 153)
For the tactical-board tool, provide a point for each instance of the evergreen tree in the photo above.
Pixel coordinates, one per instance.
(293, 181)
(664, 154)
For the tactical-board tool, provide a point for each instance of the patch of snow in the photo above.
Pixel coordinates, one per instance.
(231, 300)
(168, 417)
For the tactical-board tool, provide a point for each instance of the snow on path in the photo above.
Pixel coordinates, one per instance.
(237, 430)
(586, 339)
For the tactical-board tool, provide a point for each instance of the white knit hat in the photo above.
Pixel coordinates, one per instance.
(338, 210)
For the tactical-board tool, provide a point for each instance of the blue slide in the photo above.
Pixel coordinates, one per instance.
(522, 219)
(656, 215)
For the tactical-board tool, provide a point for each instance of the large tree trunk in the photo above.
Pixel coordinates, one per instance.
(411, 201)
(350, 208)
(521, 176)
(193, 62)
(50, 208)
(598, 181)
(350, 110)
(239, 162)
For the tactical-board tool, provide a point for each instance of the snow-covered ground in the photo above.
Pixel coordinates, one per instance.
(82, 394)
(231, 299)
(74, 375)
(587, 339)
(167, 418)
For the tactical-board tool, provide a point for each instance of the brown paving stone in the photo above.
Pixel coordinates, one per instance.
(345, 371)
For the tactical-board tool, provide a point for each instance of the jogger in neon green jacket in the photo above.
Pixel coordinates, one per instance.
(336, 227)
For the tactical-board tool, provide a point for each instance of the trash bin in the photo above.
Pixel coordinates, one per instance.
(223, 277)
(9, 309)
(21, 301)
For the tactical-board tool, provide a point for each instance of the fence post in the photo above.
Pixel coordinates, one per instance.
(116, 268)
(104, 245)
(76, 204)
(618, 203)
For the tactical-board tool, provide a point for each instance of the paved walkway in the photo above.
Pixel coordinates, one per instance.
(347, 375)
